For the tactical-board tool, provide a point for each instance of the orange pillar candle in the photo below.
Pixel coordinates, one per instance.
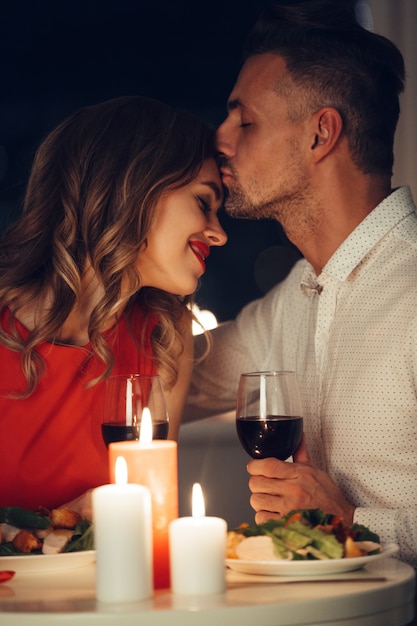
(154, 464)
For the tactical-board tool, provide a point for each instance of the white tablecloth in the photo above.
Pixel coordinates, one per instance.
(68, 597)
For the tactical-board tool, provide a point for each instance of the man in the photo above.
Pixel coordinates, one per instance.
(308, 140)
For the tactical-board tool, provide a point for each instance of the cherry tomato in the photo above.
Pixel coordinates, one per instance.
(6, 575)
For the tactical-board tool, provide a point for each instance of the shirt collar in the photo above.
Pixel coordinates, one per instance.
(386, 215)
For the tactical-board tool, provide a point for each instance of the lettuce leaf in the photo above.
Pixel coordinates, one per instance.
(8, 549)
(82, 539)
(362, 533)
(16, 516)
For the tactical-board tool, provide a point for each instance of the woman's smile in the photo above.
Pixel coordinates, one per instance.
(201, 251)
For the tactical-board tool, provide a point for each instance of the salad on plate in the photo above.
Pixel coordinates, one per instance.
(24, 532)
(305, 534)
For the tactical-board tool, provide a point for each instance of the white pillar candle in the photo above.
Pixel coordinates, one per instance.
(122, 521)
(198, 550)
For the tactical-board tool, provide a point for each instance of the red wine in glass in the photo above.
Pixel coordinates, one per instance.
(126, 398)
(269, 419)
(118, 431)
(278, 436)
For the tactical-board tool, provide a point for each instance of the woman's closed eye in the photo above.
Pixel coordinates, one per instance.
(204, 204)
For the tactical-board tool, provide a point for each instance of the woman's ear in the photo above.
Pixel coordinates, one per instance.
(327, 128)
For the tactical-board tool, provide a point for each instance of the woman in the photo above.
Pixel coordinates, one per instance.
(118, 219)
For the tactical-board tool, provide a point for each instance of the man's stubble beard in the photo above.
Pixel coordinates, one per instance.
(292, 209)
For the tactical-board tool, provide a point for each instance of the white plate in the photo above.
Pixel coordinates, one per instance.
(306, 568)
(32, 563)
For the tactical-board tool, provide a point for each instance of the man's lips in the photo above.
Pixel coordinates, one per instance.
(225, 172)
(201, 251)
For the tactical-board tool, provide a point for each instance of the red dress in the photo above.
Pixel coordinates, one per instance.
(51, 448)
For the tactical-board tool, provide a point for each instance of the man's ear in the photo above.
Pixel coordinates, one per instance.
(327, 128)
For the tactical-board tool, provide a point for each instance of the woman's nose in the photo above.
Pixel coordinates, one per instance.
(216, 234)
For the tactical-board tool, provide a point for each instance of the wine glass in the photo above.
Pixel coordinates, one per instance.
(125, 399)
(269, 419)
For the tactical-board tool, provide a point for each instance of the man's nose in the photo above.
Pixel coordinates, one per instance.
(224, 142)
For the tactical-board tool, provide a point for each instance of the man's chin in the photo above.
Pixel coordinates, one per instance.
(238, 206)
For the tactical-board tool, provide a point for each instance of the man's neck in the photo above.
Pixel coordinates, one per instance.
(338, 216)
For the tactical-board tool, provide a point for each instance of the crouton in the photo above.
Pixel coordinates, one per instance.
(64, 518)
(351, 549)
(233, 540)
(26, 541)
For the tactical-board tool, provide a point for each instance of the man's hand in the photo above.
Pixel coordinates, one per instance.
(279, 487)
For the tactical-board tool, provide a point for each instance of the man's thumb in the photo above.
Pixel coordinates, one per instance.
(301, 455)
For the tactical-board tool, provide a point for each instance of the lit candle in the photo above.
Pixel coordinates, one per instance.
(155, 465)
(198, 550)
(123, 539)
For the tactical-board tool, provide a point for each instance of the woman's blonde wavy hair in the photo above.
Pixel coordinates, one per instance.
(91, 198)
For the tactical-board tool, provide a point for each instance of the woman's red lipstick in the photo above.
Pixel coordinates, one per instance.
(201, 251)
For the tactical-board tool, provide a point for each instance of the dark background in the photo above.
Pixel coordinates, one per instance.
(57, 56)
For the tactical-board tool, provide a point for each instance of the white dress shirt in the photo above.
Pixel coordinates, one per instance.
(351, 335)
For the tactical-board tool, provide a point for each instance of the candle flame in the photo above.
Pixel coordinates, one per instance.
(198, 508)
(120, 471)
(146, 426)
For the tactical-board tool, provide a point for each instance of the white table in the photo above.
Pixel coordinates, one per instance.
(68, 597)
